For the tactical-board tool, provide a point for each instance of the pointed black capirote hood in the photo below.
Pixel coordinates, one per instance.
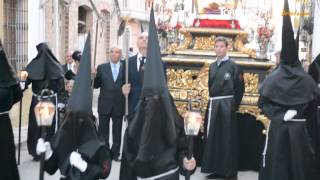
(289, 84)
(298, 39)
(7, 73)
(81, 96)
(154, 81)
(152, 125)
(289, 52)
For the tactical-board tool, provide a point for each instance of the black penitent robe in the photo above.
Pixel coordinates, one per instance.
(136, 159)
(289, 154)
(314, 126)
(221, 144)
(99, 166)
(8, 165)
(78, 133)
(34, 132)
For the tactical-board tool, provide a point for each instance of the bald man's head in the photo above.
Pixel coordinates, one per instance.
(69, 59)
(142, 42)
(115, 54)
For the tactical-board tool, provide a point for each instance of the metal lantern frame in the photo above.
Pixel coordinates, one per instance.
(44, 112)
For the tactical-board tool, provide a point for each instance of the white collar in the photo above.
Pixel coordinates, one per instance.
(139, 55)
(226, 58)
(116, 64)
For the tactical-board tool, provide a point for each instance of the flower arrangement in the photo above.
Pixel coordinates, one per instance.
(264, 34)
(264, 31)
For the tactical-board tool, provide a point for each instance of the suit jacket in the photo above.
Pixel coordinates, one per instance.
(111, 99)
(65, 68)
(136, 82)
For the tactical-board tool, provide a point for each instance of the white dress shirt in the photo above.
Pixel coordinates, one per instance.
(139, 56)
(226, 58)
(115, 70)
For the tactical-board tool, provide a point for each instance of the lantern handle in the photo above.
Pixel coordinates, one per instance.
(192, 101)
(45, 94)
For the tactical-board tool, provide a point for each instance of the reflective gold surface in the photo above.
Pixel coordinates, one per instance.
(187, 40)
(196, 60)
(251, 81)
(204, 43)
(256, 112)
(239, 45)
(196, 38)
(187, 84)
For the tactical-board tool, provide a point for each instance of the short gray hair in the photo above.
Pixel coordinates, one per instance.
(222, 39)
(116, 47)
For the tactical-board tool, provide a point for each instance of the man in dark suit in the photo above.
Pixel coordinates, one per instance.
(69, 63)
(111, 100)
(135, 71)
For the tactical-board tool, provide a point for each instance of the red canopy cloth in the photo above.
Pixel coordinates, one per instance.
(212, 23)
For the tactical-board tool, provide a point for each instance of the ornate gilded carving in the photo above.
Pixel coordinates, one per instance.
(172, 48)
(185, 85)
(187, 40)
(204, 42)
(256, 112)
(239, 45)
(253, 64)
(250, 99)
(251, 81)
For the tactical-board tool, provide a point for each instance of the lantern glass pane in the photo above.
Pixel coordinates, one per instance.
(44, 112)
(192, 123)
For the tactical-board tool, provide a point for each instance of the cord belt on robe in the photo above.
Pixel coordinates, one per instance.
(56, 107)
(160, 175)
(211, 99)
(267, 138)
(3, 113)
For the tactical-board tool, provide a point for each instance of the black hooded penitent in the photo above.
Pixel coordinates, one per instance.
(289, 84)
(78, 130)
(45, 65)
(7, 74)
(152, 126)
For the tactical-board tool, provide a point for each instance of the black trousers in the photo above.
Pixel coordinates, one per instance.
(104, 124)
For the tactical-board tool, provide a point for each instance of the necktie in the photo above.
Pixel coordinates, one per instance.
(141, 67)
(114, 72)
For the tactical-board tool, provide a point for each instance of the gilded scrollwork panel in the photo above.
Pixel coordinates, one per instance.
(185, 85)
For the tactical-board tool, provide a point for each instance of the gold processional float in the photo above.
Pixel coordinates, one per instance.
(188, 65)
